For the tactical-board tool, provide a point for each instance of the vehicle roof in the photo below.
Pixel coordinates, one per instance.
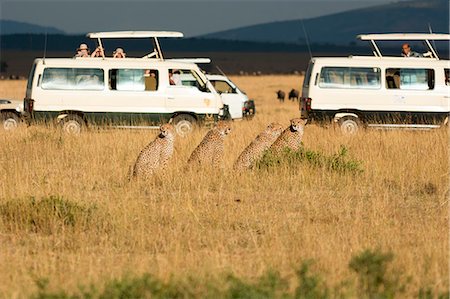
(115, 62)
(405, 36)
(388, 61)
(134, 34)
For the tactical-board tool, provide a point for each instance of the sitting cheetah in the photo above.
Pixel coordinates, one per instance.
(156, 154)
(291, 137)
(210, 150)
(255, 150)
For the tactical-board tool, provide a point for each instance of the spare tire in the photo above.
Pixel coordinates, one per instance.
(184, 124)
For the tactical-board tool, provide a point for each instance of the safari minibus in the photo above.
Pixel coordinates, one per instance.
(121, 92)
(379, 91)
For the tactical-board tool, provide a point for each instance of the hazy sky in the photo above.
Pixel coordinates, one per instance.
(190, 17)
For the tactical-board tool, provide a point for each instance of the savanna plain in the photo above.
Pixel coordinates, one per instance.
(363, 216)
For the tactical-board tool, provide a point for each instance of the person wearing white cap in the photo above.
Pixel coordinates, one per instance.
(82, 51)
(119, 53)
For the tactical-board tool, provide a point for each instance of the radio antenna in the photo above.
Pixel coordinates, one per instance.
(45, 46)
(220, 70)
(306, 38)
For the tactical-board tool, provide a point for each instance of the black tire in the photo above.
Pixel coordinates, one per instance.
(184, 124)
(349, 125)
(10, 121)
(72, 124)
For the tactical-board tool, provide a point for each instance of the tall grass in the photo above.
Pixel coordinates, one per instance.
(209, 222)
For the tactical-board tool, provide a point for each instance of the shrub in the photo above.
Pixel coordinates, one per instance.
(373, 281)
(269, 285)
(371, 267)
(45, 215)
(310, 286)
(339, 161)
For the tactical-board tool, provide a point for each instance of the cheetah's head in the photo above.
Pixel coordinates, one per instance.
(297, 124)
(274, 129)
(166, 130)
(223, 127)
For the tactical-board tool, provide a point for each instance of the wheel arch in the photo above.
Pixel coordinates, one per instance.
(65, 113)
(11, 111)
(175, 114)
(348, 112)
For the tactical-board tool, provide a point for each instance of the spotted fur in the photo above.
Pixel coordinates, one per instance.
(255, 150)
(210, 151)
(291, 137)
(156, 155)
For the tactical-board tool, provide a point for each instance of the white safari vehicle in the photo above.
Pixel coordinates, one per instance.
(379, 91)
(121, 92)
(237, 101)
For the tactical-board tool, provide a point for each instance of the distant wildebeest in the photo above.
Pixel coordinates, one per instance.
(281, 95)
(294, 94)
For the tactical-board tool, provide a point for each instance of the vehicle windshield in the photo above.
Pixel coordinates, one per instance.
(31, 76)
(307, 78)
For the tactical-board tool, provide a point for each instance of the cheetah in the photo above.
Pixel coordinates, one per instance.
(255, 150)
(156, 154)
(210, 150)
(291, 137)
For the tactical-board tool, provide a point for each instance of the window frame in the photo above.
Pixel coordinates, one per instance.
(233, 89)
(110, 78)
(430, 75)
(74, 78)
(347, 70)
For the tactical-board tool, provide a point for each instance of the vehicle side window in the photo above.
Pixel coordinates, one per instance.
(133, 79)
(186, 78)
(353, 78)
(409, 79)
(222, 86)
(447, 76)
(73, 79)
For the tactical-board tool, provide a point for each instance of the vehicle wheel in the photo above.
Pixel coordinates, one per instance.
(10, 121)
(349, 125)
(184, 124)
(72, 124)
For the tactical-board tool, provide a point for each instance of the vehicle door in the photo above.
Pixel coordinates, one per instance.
(347, 88)
(230, 96)
(187, 92)
(412, 95)
(135, 97)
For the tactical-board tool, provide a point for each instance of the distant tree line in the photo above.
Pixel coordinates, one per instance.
(56, 42)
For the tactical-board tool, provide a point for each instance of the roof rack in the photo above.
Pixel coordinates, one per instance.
(426, 37)
(153, 35)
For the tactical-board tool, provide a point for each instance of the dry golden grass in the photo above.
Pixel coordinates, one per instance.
(209, 222)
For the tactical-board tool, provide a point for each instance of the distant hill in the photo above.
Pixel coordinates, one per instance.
(14, 27)
(342, 28)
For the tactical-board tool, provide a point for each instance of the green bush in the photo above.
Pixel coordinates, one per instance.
(269, 285)
(45, 215)
(373, 281)
(310, 286)
(339, 161)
